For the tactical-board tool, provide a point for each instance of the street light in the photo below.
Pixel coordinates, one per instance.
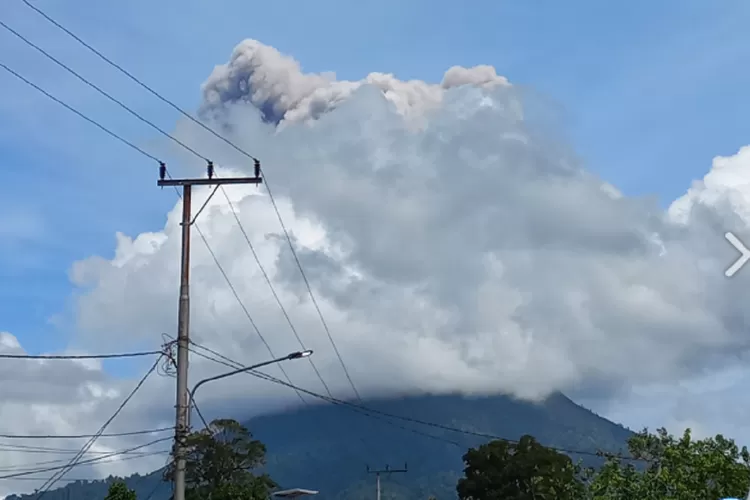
(288, 357)
(296, 492)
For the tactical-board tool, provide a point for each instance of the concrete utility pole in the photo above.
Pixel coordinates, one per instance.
(183, 320)
(378, 472)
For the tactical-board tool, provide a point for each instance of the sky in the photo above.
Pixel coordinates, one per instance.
(573, 210)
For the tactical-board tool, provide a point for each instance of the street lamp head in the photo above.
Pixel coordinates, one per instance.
(300, 354)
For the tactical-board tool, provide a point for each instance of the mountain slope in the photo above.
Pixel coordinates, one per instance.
(327, 447)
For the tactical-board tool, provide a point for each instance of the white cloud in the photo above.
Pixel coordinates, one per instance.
(464, 254)
(728, 182)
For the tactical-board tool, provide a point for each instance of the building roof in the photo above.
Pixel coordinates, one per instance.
(294, 493)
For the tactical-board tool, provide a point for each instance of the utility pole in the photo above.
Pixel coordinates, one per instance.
(378, 472)
(183, 319)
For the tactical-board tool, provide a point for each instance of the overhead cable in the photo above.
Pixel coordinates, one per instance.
(77, 459)
(76, 112)
(197, 227)
(28, 465)
(356, 406)
(121, 457)
(230, 363)
(80, 356)
(96, 460)
(102, 92)
(86, 436)
(240, 150)
(188, 148)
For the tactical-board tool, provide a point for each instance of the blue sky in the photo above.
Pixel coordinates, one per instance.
(646, 92)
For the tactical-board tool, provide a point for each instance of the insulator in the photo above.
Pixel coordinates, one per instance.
(257, 168)
(210, 170)
(162, 170)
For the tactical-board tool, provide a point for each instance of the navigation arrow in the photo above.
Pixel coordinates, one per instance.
(744, 257)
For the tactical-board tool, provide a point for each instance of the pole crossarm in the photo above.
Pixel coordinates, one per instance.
(387, 470)
(378, 472)
(209, 182)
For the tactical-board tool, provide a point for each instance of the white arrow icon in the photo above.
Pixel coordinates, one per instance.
(736, 243)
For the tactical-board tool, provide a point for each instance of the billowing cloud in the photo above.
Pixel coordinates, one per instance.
(467, 253)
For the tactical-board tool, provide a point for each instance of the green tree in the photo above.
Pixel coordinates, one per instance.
(119, 491)
(220, 462)
(674, 468)
(523, 471)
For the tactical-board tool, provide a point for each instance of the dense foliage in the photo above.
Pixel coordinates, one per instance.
(519, 471)
(220, 464)
(676, 468)
(119, 491)
(658, 466)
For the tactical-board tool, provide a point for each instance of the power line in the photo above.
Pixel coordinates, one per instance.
(273, 291)
(197, 227)
(200, 233)
(79, 356)
(86, 436)
(193, 399)
(132, 112)
(136, 80)
(312, 296)
(243, 307)
(424, 422)
(30, 465)
(367, 410)
(128, 455)
(102, 459)
(231, 363)
(242, 304)
(185, 146)
(43, 449)
(250, 319)
(81, 115)
(246, 312)
(68, 480)
(102, 92)
(76, 459)
(235, 147)
(234, 291)
(286, 232)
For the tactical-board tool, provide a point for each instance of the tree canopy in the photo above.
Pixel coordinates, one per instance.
(659, 466)
(518, 471)
(677, 468)
(119, 491)
(220, 464)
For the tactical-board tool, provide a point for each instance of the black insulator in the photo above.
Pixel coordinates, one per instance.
(162, 170)
(257, 168)
(210, 170)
